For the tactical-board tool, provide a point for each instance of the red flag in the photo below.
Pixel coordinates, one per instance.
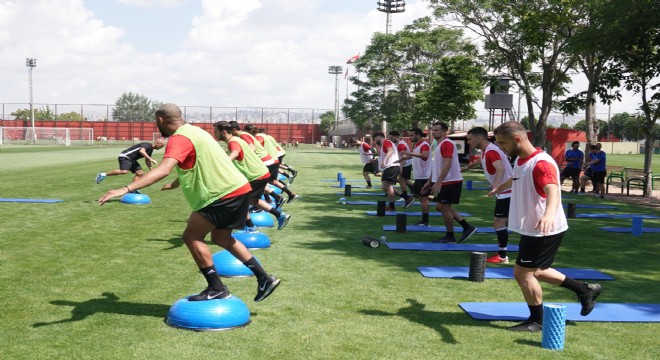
(353, 59)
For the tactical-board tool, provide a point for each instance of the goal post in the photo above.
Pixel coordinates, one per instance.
(46, 136)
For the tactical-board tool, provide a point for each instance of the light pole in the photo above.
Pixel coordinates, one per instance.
(336, 70)
(31, 63)
(389, 7)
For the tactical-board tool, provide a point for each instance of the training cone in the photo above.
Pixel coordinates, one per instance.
(209, 315)
(262, 219)
(229, 266)
(252, 239)
(133, 198)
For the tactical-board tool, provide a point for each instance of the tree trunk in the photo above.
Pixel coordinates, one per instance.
(590, 118)
(648, 156)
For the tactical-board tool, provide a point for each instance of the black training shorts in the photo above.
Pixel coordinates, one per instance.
(391, 175)
(128, 164)
(450, 193)
(538, 252)
(228, 213)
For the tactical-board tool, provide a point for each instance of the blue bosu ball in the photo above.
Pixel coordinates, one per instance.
(281, 177)
(209, 315)
(133, 198)
(229, 266)
(252, 239)
(262, 219)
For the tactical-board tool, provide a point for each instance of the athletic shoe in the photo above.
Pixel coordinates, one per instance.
(389, 209)
(266, 286)
(409, 200)
(445, 240)
(467, 233)
(99, 178)
(588, 300)
(293, 198)
(368, 187)
(282, 221)
(581, 193)
(250, 229)
(497, 259)
(210, 294)
(294, 173)
(422, 223)
(136, 192)
(528, 325)
(280, 202)
(290, 178)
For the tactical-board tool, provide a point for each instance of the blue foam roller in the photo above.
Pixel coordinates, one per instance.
(133, 198)
(340, 176)
(554, 327)
(229, 266)
(209, 315)
(262, 219)
(252, 239)
(637, 225)
(281, 177)
(468, 185)
(342, 182)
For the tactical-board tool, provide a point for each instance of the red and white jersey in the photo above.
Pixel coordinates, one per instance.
(421, 168)
(365, 153)
(528, 200)
(387, 145)
(403, 146)
(491, 154)
(446, 151)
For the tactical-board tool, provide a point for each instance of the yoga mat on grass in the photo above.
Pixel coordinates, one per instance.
(352, 186)
(629, 230)
(457, 229)
(429, 246)
(412, 213)
(353, 193)
(30, 200)
(592, 206)
(615, 216)
(398, 202)
(347, 180)
(462, 272)
(603, 312)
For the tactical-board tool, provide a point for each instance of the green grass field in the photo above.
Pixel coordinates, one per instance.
(80, 281)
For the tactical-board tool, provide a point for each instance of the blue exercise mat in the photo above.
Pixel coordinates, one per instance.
(398, 202)
(412, 213)
(458, 229)
(592, 206)
(629, 230)
(429, 246)
(602, 312)
(463, 272)
(30, 200)
(352, 186)
(347, 180)
(615, 216)
(353, 193)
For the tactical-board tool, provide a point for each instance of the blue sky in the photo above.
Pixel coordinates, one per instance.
(244, 53)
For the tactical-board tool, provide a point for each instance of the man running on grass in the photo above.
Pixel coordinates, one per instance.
(215, 190)
(128, 160)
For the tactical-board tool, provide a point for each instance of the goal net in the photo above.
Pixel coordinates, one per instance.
(46, 136)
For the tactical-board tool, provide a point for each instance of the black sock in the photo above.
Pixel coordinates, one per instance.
(212, 278)
(392, 205)
(575, 286)
(536, 313)
(450, 234)
(404, 194)
(464, 224)
(256, 268)
(276, 197)
(275, 212)
(287, 191)
(425, 217)
(267, 197)
(581, 189)
(502, 240)
(249, 223)
(286, 175)
(369, 183)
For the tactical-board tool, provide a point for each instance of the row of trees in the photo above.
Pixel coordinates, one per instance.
(128, 107)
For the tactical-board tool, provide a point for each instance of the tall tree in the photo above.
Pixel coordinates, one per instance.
(327, 121)
(134, 107)
(528, 40)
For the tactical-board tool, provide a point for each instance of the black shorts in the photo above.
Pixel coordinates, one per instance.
(128, 164)
(391, 175)
(450, 193)
(417, 187)
(502, 208)
(258, 187)
(274, 171)
(538, 252)
(371, 167)
(406, 172)
(588, 173)
(571, 172)
(227, 213)
(279, 158)
(598, 177)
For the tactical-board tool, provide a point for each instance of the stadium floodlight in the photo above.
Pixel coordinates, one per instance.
(336, 70)
(31, 63)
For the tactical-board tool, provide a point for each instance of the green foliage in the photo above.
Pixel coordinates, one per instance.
(43, 114)
(134, 107)
(327, 121)
(70, 116)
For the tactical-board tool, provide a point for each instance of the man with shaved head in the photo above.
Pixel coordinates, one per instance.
(128, 160)
(215, 190)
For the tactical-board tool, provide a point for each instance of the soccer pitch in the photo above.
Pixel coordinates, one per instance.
(81, 281)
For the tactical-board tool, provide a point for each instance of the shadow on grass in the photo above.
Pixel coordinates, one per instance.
(110, 304)
(435, 320)
(176, 242)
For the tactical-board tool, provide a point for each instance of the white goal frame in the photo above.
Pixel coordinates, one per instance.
(46, 136)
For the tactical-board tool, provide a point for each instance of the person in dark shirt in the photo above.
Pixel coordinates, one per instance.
(128, 160)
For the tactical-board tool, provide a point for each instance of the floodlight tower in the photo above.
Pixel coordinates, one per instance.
(389, 7)
(336, 70)
(31, 63)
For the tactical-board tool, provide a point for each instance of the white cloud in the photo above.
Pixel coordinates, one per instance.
(153, 3)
